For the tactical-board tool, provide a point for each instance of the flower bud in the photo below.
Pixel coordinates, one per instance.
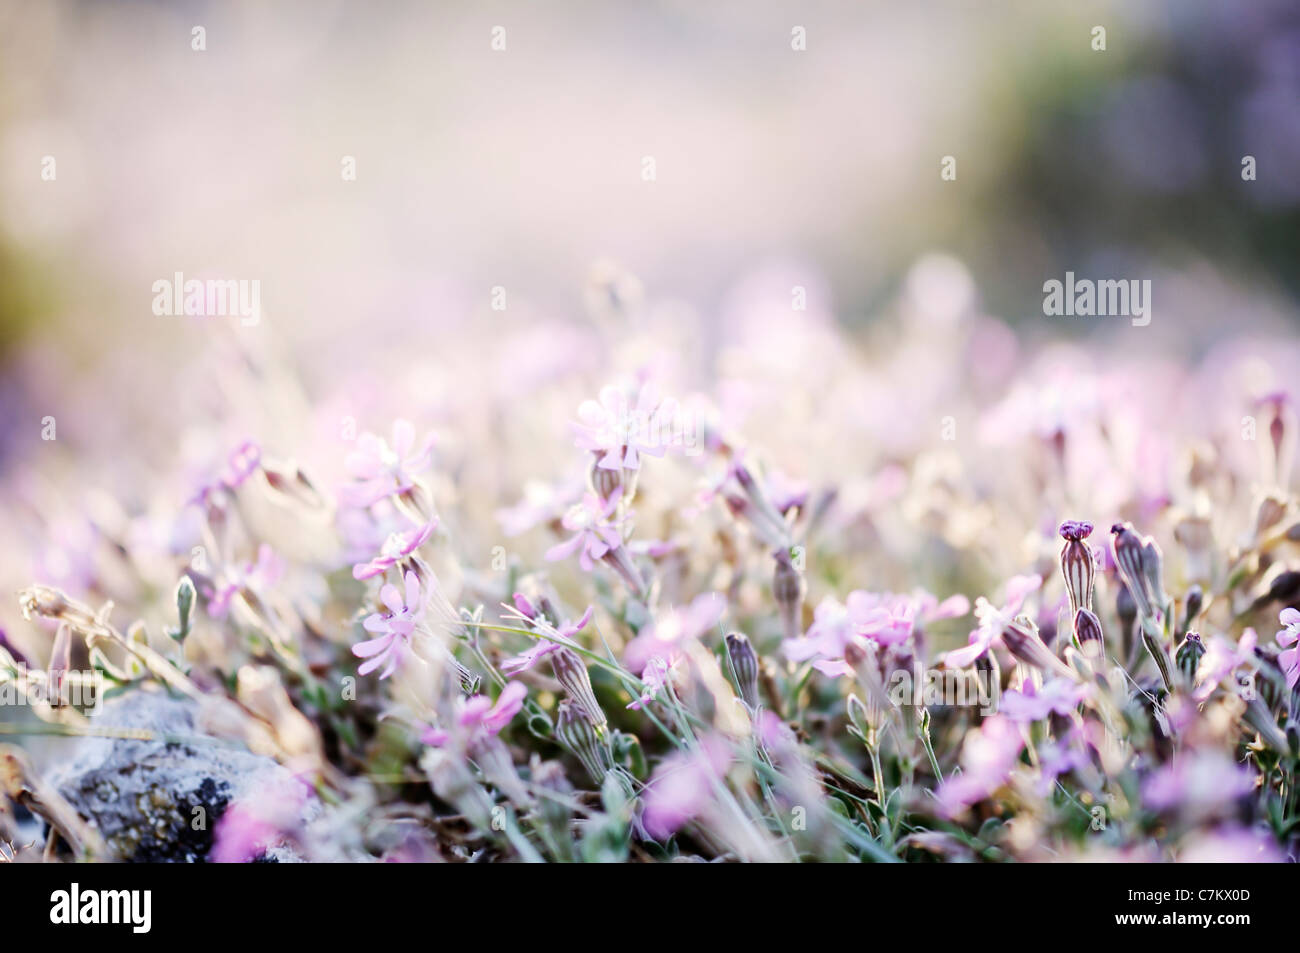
(576, 732)
(525, 606)
(1129, 558)
(1087, 630)
(1195, 601)
(1188, 656)
(1077, 564)
(1021, 639)
(571, 672)
(1270, 513)
(744, 667)
(788, 591)
(1153, 562)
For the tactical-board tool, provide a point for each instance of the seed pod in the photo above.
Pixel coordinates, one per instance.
(571, 672)
(576, 732)
(1077, 564)
(788, 591)
(1129, 558)
(744, 667)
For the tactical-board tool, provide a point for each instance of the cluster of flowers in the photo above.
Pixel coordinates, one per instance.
(623, 696)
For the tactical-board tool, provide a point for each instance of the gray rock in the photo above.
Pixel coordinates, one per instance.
(158, 801)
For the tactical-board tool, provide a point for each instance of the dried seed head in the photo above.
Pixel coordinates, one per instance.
(1077, 565)
(744, 667)
(1129, 558)
(576, 732)
(571, 672)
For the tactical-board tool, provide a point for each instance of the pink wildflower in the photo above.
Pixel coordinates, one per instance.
(593, 534)
(392, 629)
(383, 470)
(397, 547)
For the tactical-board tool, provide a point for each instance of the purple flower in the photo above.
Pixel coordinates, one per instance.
(259, 575)
(1058, 696)
(883, 619)
(987, 758)
(383, 470)
(544, 647)
(618, 433)
(242, 463)
(242, 835)
(653, 678)
(1076, 530)
(251, 826)
(661, 638)
(481, 712)
(993, 620)
(1289, 658)
(593, 534)
(392, 629)
(479, 720)
(1198, 784)
(396, 548)
(1223, 658)
(682, 786)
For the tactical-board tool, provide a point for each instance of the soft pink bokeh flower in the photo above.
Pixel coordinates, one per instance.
(383, 470)
(593, 534)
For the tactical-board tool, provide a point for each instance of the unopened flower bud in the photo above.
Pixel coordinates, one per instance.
(1022, 640)
(788, 591)
(571, 672)
(865, 719)
(1087, 629)
(1077, 564)
(1270, 513)
(744, 667)
(576, 732)
(1128, 550)
(1153, 562)
(1188, 656)
(525, 606)
(1195, 600)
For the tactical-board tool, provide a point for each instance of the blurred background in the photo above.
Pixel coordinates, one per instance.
(522, 168)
